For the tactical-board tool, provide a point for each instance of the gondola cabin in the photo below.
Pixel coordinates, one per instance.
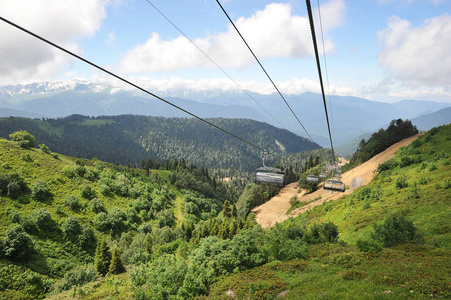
(270, 176)
(334, 185)
(312, 178)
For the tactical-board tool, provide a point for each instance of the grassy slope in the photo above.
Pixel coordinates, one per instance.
(340, 271)
(53, 255)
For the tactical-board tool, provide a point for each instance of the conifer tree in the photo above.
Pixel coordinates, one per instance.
(103, 257)
(116, 266)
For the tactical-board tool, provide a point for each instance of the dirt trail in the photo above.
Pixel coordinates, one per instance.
(275, 209)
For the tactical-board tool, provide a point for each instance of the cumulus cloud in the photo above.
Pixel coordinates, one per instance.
(272, 32)
(61, 22)
(417, 55)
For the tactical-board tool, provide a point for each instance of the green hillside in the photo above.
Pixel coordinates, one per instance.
(66, 222)
(415, 186)
(129, 139)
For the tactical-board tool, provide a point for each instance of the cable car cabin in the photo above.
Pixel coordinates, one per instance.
(270, 176)
(312, 178)
(322, 176)
(334, 185)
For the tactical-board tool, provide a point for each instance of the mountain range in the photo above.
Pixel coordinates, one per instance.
(350, 116)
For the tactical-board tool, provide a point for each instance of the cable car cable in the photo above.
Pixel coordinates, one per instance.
(206, 55)
(131, 83)
(312, 28)
(327, 73)
(269, 77)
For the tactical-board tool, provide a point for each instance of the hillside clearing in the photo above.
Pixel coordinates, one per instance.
(274, 211)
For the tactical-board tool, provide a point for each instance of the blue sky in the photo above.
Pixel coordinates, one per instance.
(385, 50)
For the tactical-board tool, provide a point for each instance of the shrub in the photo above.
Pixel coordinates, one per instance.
(44, 148)
(388, 165)
(76, 277)
(369, 245)
(23, 139)
(17, 244)
(29, 224)
(395, 230)
(97, 206)
(401, 182)
(71, 227)
(27, 157)
(43, 218)
(40, 191)
(14, 216)
(87, 237)
(72, 202)
(406, 161)
(12, 184)
(87, 192)
(105, 190)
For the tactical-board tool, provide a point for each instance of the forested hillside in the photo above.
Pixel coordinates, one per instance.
(130, 139)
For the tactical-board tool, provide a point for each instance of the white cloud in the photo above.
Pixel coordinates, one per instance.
(418, 55)
(272, 32)
(111, 38)
(62, 22)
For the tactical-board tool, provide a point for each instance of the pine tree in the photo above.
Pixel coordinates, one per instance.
(116, 266)
(103, 257)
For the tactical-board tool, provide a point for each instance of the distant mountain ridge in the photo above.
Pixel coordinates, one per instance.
(350, 116)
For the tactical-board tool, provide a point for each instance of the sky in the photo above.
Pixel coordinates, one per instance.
(383, 50)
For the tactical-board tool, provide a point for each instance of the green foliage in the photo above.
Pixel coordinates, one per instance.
(401, 182)
(17, 244)
(102, 257)
(44, 148)
(43, 218)
(381, 140)
(23, 139)
(395, 230)
(116, 266)
(97, 205)
(40, 191)
(71, 227)
(72, 202)
(12, 184)
(369, 245)
(75, 277)
(27, 157)
(87, 192)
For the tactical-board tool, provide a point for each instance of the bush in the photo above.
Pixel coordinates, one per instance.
(40, 191)
(17, 244)
(23, 139)
(401, 182)
(387, 165)
(44, 148)
(72, 202)
(97, 206)
(27, 157)
(395, 230)
(76, 277)
(12, 184)
(406, 161)
(87, 192)
(369, 245)
(71, 227)
(43, 218)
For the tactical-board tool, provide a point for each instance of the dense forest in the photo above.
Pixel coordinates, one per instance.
(130, 139)
(382, 139)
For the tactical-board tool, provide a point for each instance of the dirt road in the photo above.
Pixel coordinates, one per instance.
(275, 209)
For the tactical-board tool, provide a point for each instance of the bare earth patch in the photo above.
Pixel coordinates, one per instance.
(274, 211)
